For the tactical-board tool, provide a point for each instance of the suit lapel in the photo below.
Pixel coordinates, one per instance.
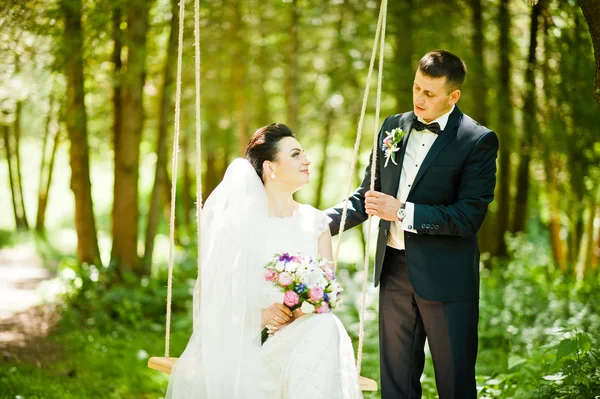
(443, 139)
(405, 123)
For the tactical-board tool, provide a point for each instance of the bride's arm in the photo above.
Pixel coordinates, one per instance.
(325, 246)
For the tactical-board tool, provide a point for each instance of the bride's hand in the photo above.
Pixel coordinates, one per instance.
(276, 316)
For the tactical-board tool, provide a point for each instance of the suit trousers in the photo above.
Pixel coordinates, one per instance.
(406, 320)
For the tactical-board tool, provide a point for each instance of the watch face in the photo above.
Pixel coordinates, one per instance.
(401, 213)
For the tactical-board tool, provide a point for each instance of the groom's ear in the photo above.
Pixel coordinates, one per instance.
(454, 97)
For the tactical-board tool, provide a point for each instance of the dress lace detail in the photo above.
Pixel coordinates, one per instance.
(323, 222)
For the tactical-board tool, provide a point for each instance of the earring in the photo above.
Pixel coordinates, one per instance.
(272, 175)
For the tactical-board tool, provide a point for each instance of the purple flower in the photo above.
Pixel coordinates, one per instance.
(285, 258)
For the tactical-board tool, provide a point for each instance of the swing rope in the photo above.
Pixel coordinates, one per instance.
(379, 34)
(361, 331)
(359, 130)
(198, 133)
(174, 173)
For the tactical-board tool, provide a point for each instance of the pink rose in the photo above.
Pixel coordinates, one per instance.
(285, 279)
(290, 298)
(329, 274)
(324, 308)
(316, 294)
(269, 275)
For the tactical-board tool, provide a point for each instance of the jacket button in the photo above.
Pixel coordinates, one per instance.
(410, 227)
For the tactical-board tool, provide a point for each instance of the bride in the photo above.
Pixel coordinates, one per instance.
(248, 218)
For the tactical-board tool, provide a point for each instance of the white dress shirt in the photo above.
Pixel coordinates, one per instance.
(417, 147)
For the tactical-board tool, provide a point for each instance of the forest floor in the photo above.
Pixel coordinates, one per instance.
(27, 314)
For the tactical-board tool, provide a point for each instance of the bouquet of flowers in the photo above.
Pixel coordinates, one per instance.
(307, 283)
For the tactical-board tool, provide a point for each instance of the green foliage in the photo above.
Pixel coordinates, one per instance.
(537, 329)
(94, 365)
(93, 299)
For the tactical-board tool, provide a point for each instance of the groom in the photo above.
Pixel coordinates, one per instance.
(432, 195)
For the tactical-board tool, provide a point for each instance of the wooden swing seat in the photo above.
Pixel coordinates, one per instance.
(165, 365)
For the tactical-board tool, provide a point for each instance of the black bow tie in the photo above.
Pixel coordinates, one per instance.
(432, 127)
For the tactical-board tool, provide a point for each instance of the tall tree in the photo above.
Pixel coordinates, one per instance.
(11, 179)
(479, 80)
(164, 110)
(52, 132)
(591, 11)
(117, 36)
(127, 148)
(401, 28)
(291, 87)
(505, 125)
(76, 118)
(17, 156)
(239, 74)
(529, 126)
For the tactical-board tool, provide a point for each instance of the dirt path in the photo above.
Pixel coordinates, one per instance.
(25, 313)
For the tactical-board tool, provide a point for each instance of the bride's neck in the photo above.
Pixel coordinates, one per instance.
(281, 203)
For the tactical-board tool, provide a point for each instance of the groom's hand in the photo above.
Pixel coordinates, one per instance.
(382, 205)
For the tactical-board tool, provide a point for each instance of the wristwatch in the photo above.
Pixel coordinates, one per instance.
(401, 212)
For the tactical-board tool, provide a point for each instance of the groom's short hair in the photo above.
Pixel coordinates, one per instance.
(444, 64)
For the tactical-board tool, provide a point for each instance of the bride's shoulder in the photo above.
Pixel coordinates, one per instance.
(316, 217)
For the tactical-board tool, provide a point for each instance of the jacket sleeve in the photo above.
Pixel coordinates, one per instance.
(476, 190)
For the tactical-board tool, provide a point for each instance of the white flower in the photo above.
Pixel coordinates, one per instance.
(310, 278)
(280, 266)
(307, 307)
(332, 297)
(291, 267)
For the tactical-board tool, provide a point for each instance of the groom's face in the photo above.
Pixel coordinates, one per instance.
(432, 97)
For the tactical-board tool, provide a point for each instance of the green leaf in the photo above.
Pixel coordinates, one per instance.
(566, 348)
(514, 361)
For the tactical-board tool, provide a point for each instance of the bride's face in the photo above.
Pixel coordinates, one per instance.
(292, 165)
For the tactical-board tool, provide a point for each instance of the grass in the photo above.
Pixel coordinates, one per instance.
(93, 365)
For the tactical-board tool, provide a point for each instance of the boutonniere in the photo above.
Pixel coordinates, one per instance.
(391, 145)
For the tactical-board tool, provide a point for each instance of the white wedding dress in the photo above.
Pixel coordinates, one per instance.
(312, 357)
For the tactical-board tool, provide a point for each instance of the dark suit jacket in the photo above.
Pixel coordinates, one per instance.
(451, 194)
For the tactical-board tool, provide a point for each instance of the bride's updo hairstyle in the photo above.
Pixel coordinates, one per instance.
(263, 145)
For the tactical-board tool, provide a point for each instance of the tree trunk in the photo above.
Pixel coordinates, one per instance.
(187, 201)
(589, 236)
(17, 154)
(547, 146)
(46, 177)
(76, 118)
(263, 117)
(591, 12)
(117, 79)
(291, 90)
(479, 80)
(126, 208)
(402, 28)
(164, 109)
(323, 165)
(595, 258)
(530, 127)
(505, 128)
(554, 226)
(13, 191)
(239, 74)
